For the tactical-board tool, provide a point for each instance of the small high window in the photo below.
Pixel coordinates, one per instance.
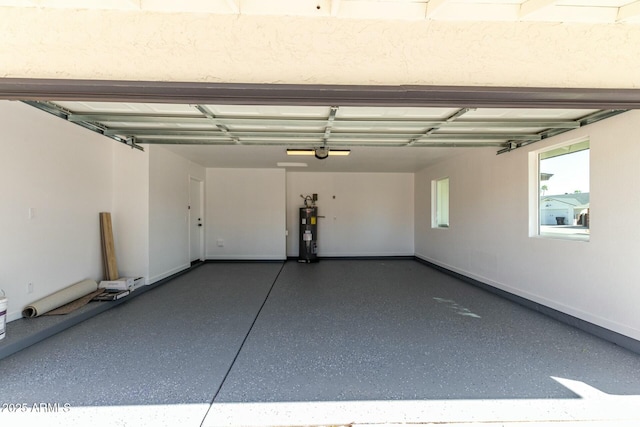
(440, 203)
(563, 192)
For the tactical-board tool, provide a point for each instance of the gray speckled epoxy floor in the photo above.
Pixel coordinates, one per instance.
(336, 330)
(173, 344)
(352, 330)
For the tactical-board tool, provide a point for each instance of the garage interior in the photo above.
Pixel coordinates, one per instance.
(149, 122)
(227, 336)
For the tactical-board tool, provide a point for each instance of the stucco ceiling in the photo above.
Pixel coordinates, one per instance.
(593, 11)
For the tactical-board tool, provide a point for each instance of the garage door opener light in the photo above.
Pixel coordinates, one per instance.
(320, 153)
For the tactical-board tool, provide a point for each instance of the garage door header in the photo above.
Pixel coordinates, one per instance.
(287, 94)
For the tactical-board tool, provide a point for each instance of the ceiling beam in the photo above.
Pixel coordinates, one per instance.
(293, 95)
(627, 11)
(434, 6)
(532, 6)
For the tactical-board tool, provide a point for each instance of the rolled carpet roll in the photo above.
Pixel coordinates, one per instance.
(60, 298)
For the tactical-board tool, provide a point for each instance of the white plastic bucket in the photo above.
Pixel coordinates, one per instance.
(3, 315)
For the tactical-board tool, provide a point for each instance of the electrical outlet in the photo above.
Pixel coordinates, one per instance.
(30, 288)
(220, 242)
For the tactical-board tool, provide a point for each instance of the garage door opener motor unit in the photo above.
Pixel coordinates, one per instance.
(309, 230)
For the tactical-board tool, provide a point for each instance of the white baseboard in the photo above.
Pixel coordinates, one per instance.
(538, 299)
(246, 257)
(361, 254)
(166, 274)
(14, 315)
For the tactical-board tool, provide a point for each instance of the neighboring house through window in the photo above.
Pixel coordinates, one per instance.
(563, 191)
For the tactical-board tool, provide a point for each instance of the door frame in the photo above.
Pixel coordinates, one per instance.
(192, 215)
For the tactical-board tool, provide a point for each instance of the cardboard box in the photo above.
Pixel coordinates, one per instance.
(122, 284)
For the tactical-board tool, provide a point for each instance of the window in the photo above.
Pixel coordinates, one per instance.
(563, 192)
(440, 203)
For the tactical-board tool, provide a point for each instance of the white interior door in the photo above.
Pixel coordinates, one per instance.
(196, 220)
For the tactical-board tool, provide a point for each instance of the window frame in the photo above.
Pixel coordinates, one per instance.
(535, 193)
(437, 203)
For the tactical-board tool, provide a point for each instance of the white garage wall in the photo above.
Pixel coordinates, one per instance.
(130, 212)
(371, 214)
(62, 172)
(168, 211)
(246, 209)
(489, 234)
